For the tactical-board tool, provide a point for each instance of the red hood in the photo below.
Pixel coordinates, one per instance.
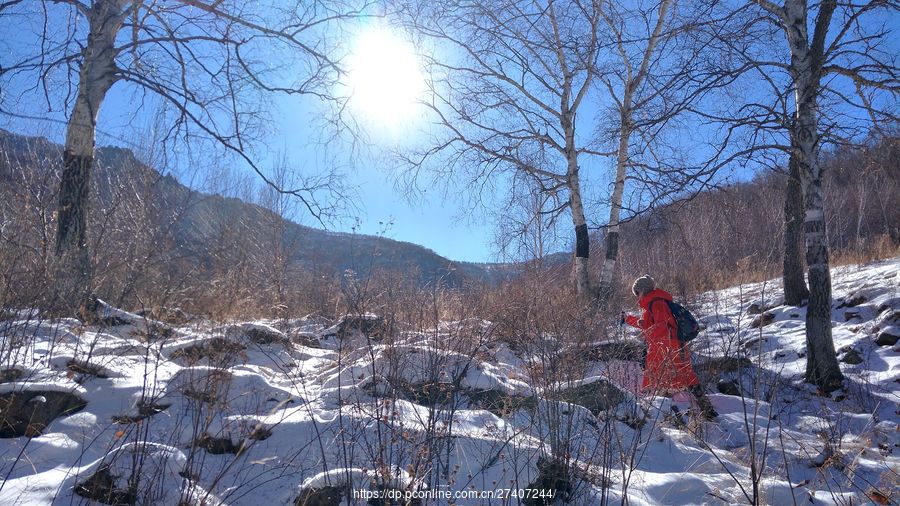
(654, 294)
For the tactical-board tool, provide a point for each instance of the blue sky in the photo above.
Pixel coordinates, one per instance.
(381, 209)
(438, 219)
(378, 208)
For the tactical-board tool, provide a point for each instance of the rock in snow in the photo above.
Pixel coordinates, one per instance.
(30, 411)
(888, 336)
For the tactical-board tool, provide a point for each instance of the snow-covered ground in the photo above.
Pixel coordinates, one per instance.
(282, 412)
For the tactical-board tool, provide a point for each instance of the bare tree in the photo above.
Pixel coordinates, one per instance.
(281, 245)
(524, 233)
(841, 74)
(506, 91)
(631, 79)
(662, 64)
(204, 59)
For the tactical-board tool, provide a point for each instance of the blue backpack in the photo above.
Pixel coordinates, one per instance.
(685, 323)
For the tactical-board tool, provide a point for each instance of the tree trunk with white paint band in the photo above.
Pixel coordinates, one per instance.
(795, 291)
(576, 206)
(615, 209)
(821, 361)
(582, 238)
(96, 76)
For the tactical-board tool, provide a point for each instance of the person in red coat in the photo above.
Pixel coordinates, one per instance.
(667, 368)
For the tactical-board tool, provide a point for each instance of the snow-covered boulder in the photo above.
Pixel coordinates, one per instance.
(98, 312)
(762, 320)
(888, 336)
(142, 474)
(257, 333)
(369, 325)
(28, 409)
(888, 317)
(218, 351)
(854, 299)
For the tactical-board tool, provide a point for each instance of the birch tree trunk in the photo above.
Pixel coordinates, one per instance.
(806, 65)
(821, 361)
(795, 291)
(96, 76)
(615, 210)
(633, 82)
(582, 239)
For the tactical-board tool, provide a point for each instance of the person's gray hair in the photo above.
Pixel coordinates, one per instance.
(643, 285)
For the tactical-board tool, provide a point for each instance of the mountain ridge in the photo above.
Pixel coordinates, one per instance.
(200, 217)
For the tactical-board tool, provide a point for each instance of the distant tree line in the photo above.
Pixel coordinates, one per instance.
(697, 244)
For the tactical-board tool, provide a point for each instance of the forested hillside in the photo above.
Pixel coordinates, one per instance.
(162, 241)
(734, 233)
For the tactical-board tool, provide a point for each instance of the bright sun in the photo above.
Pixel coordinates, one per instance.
(384, 78)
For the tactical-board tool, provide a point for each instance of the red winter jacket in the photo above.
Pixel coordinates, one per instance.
(668, 367)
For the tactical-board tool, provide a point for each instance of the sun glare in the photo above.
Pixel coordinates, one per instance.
(384, 78)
